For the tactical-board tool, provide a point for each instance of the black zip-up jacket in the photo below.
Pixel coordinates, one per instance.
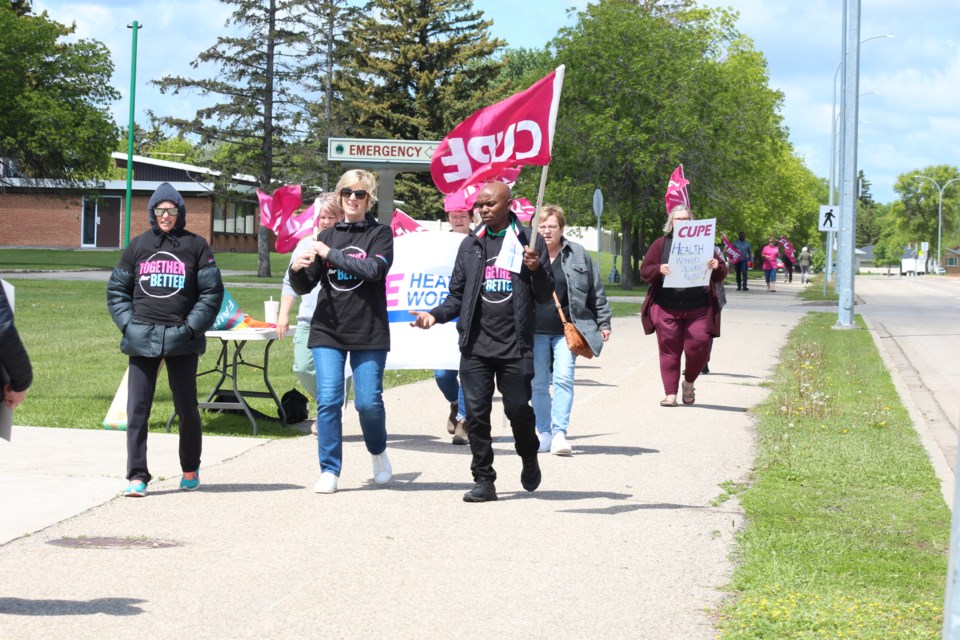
(351, 310)
(15, 366)
(529, 287)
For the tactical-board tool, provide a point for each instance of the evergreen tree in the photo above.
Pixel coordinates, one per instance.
(259, 84)
(417, 69)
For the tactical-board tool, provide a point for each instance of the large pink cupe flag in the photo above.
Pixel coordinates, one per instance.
(276, 213)
(677, 190)
(510, 133)
(464, 198)
(402, 224)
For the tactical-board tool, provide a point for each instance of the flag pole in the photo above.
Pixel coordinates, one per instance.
(558, 83)
(535, 221)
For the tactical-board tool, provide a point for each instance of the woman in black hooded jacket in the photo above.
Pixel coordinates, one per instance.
(164, 295)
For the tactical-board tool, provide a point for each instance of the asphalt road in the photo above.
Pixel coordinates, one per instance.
(915, 320)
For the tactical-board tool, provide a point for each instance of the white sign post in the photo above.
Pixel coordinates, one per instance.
(690, 251)
(598, 209)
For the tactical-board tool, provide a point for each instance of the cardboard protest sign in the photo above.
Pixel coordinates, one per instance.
(690, 252)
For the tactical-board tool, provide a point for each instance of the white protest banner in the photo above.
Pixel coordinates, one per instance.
(419, 280)
(690, 252)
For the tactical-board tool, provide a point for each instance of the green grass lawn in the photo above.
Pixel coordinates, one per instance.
(847, 532)
(75, 350)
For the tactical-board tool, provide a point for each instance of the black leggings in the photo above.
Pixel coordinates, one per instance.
(142, 383)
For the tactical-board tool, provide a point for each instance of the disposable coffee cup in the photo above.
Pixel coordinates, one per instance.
(271, 308)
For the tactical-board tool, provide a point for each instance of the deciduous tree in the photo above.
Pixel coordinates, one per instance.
(54, 99)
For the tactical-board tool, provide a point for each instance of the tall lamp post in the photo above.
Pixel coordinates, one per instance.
(833, 157)
(133, 99)
(939, 211)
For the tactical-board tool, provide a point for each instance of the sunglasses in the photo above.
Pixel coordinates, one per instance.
(173, 212)
(346, 192)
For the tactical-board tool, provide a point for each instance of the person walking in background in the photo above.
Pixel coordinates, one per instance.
(447, 379)
(805, 261)
(350, 261)
(683, 319)
(770, 254)
(743, 268)
(789, 257)
(495, 311)
(16, 373)
(328, 213)
(163, 295)
(579, 291)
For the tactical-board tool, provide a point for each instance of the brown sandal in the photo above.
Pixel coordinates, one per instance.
(689, 397)
(669, 401)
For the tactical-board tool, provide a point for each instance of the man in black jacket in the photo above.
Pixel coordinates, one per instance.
(16, 374)
(493, 293)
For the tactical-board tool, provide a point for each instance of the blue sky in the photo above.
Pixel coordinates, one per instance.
(909, 119)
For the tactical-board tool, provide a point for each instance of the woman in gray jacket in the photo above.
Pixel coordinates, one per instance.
(580, 294)
(163, 296)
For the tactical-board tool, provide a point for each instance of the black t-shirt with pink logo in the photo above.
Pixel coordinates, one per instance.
(497, 332)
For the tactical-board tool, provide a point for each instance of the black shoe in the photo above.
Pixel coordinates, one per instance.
(530, 476)
(483, 491)
(706, 369)
(745, 289)
(739, 288)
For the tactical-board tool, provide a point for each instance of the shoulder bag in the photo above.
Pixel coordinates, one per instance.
(575, 340)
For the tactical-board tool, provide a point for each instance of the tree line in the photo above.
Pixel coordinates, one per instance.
(650, 84)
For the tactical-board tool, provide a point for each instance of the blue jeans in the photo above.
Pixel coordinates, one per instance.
(552, 415)
(368, 399)
(450, 387)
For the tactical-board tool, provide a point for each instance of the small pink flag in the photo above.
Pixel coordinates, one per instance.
(677, 190)
(402, 224)
(732, 252)
(787, 248)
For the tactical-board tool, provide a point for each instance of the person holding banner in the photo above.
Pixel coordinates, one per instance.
(329, 212)
(746, 255)
(497, 279)
(447, 379)
(350, 261)
(580, 293)
(684, 319)
(16, 374)
(163, 295)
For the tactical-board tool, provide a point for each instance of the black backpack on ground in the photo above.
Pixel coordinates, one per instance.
(295, 406)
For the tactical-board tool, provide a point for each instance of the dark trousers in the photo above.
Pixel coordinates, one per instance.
(788, 267)
(142, 383)
(742, 271)
(513, 379)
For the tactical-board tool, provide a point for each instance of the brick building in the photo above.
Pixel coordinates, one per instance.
(42, 214)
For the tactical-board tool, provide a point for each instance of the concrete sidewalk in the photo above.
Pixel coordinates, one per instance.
(622, 539)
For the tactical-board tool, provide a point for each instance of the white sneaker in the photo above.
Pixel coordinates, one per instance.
(560, 446)
(327, 483)
(382, 471)
(545, 439)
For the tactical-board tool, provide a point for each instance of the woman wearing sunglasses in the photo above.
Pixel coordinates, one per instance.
(350, 261)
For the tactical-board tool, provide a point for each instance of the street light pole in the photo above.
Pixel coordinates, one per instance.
(939, 211)
(130, 124)
(833, 160)
(848, 194)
